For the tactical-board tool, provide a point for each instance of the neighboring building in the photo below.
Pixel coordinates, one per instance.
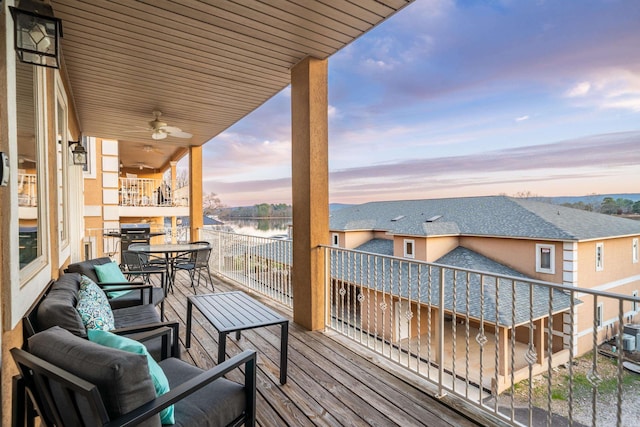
(516, 237)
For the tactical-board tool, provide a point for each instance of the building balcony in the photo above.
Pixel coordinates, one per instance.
(147, 197)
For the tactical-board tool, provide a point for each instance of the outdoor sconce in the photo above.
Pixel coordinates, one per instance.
(79, 153)
(37, 33)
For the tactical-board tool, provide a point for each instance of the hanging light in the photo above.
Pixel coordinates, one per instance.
(78, 153)
(37, 33)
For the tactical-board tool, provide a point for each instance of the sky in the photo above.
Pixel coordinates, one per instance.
(461, 98)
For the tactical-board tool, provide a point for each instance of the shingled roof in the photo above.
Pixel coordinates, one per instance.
(489, 295)
(481, 216)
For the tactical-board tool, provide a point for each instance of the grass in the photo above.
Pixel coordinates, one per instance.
(607, 369)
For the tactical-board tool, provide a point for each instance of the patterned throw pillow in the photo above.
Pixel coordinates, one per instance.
(94, 307)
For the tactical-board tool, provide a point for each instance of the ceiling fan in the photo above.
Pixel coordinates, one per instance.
(160, 129)
(147, 148)
(141, 166)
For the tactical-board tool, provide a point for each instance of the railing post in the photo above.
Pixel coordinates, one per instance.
(441, 392)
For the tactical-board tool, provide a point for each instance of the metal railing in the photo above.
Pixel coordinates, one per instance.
(512, 347)
(259, 263)
(150, 192)
(524, 351)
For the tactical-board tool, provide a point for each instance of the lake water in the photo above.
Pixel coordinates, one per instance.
(261, 227)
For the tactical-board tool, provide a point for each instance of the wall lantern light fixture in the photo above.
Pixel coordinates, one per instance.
(79, 153)
(37, 33)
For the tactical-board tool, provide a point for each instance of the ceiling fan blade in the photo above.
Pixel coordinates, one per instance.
(170, 129)
(176, 131)
(158, 135)
(180, 134)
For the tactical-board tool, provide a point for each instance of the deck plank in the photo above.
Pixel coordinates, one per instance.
(328, 384)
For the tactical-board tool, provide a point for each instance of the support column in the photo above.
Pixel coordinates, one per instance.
(538, 340)
(195, 192)
(174, 222)
(503, 353)
(310, 184)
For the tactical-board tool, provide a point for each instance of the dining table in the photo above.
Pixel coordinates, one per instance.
(171, 252)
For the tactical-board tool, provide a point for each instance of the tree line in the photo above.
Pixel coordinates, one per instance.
(262, 210)
(213, 206)
(609, 206)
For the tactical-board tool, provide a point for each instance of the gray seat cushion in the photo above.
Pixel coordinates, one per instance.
(133, 298)
(217, 404)
(121, 377)
(139, 315)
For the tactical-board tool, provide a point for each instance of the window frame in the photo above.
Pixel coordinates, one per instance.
(405, 244)
(552, 258)
(33, 268)
(599, 320)
(335, 240)
(63, 164)
(599, 256)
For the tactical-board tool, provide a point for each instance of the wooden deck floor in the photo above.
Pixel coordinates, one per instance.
(328, 384)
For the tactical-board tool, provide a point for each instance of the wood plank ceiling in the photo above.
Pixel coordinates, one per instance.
(204, 64)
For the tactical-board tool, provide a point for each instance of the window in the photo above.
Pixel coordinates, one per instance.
(88, 253)
(409, 248)
(599, 256)
(335, 239)
(600, 315)
(62, 167)
(634, 250)
(545, 259)
(31, 133)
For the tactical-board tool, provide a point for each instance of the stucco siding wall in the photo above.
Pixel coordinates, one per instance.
(353, 239)
(517, 254)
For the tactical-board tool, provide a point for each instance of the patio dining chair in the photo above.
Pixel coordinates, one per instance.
(138, 264)
(198, 262)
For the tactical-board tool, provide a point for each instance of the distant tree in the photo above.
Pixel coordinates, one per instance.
(211, 204)
(635, 208)
(182, 178)
(525, 195)
(608, 206)
(529, 195)
(624, 205)
(262, 210)
(579, 205)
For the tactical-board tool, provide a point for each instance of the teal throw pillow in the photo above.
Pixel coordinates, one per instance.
(110, 273)
(160, 381)
(93, 306)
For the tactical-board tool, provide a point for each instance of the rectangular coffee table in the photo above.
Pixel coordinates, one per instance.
(235, 312)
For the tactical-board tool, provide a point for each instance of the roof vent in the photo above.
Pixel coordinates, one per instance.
(398, 218)
(434, 218)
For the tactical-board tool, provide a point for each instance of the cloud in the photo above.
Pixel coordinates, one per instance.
(522, 118)
(610, 88)
(621, 150)
(580, 89)
(590, 159)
